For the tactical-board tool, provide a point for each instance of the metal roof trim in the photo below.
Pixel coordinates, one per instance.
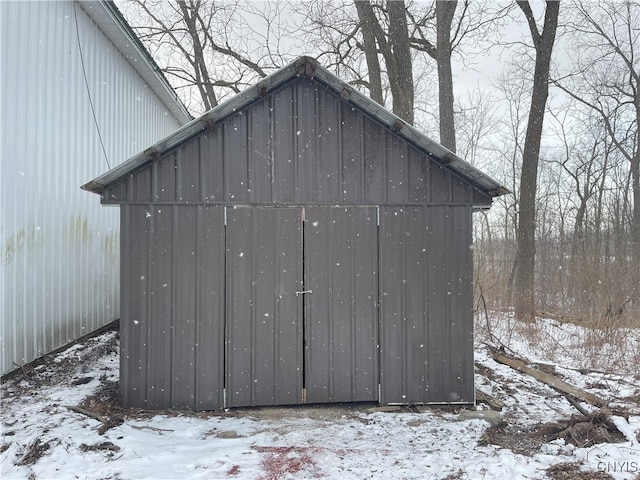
(304, 67)
(110, 20)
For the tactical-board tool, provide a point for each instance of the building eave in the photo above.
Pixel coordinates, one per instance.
(112, 23)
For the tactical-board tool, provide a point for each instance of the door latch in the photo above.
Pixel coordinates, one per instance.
(303, 292)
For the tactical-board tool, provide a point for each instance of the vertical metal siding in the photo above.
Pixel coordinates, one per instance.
(426, 318)
(59, 272)
(300, 145)
(188, 175)
(210, 314)
(436, 225)
(460, 297)
(402, 297)
(307, 142)
(164, 184)
(373, 158)
(298, 150)
(440, 184)
(353, 165)
(172, 321)
(328, 166)
(396, 171)
(341, 335)
(419, 169)
(133, 298)
(183, 307)
(155, 324)
(211, 166)
(284, 130)
(263, 313)
(260, 158)
(236, 156)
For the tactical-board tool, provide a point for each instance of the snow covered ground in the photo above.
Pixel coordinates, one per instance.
(42, 438)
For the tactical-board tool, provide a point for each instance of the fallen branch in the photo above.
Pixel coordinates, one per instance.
(577, 406)
(550, 380)
(155, 429)
(494, 403)
(82, 411)
(99, 446)
(107, 423)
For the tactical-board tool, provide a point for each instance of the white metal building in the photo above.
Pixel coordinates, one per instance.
(79, 95)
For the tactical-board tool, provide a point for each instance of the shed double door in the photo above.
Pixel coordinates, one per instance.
(301, 305)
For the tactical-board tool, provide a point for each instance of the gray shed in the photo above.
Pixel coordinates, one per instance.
(297, 244)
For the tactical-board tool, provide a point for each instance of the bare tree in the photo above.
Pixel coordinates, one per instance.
(471, 22)
(379, 47)
(207, 46)
(607, 80)
(370, 32)
(505, 152)
(393, 45)
(543, 41)
(444, 19)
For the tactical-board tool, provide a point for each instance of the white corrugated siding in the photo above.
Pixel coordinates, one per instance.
(60, 254)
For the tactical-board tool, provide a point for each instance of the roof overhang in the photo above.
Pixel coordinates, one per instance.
(303, 67)
(109, 19)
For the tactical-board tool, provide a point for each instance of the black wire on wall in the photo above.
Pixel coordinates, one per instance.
(86, 82)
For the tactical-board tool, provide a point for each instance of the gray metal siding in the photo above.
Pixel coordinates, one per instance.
(301, 175)
(59, 270)
(172, 317)
(341, 335)
(460, 384)
(258, 163)
(281, 156)
(304, 69)
(210, 305)
(263, 315)
(299, 145)
(191, 285)
(425, 305)
(133, 301)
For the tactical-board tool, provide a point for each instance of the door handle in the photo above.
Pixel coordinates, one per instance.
(303, 292)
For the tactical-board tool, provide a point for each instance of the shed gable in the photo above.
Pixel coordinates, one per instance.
(300, 144)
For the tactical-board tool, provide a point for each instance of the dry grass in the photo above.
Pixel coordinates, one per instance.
(33, 452)
(601, 347)
(571, 471)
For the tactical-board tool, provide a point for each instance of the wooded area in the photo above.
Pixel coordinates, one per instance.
(545, 97)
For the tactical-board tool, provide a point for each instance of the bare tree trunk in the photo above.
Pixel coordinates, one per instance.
(444, 18)
(525, 257)
(203, 80)
(398, 60)
(368, 21)
(607, 31)
(195, 37)
(635, 188)
(396, 51)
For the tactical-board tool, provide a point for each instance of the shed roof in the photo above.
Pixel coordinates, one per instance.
(302, 67)
(113, 24)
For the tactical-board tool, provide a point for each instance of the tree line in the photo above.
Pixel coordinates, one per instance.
(558, 122)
